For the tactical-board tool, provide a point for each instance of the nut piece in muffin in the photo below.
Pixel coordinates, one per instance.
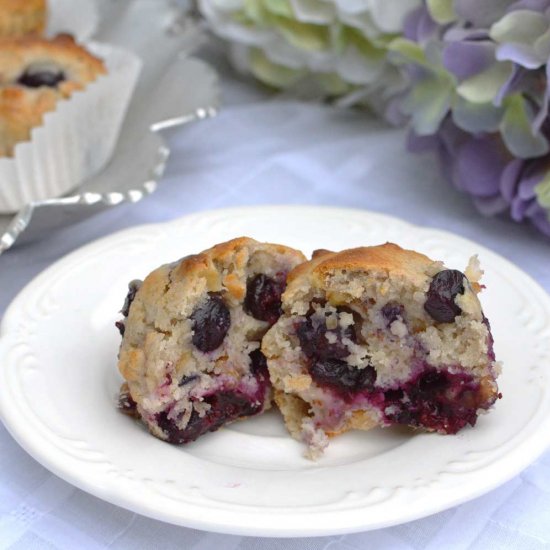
(380, 336)
(190, 353)
(35, 74)
(21, 17)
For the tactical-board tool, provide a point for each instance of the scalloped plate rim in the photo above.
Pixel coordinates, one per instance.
(536, 443)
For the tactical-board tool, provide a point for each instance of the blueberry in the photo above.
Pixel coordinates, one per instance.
(391, 312)
(188, 379)
(41, 78)
(343, 377)
(211, 321)
(121, 327)
(258, 363)
(133, 287)
(263, 298)
(126, 404)
(440, 300)
(312, 336)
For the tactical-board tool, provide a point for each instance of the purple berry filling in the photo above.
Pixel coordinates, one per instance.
(440, 298)
(211, 321)
(224, 407)
(41, 78)
(263, 297)
(436, 400)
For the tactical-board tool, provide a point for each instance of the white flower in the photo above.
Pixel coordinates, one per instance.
(337, 47)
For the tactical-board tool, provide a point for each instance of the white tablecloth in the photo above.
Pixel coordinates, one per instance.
(272, 152)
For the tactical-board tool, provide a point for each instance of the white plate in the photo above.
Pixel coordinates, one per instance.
(58, 383)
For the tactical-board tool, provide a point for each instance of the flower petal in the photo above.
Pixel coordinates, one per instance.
(516, 130)
(481, 14)
(483, 87)
(441, 11)
(390, 15)
(270, 73)
(542, 192)
(522, 54)
(466, 59)
(427, 104)
(480, 163)
(510, 178)
(419, 26)
(313, 11)
(521, 26)
(476, 117)
(491, 206)
(534, 5)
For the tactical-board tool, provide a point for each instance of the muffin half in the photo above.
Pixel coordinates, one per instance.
(380, 336)
(190, 352)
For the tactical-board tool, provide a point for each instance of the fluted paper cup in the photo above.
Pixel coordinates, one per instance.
(76, 140)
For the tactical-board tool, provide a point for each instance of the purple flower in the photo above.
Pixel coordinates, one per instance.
(480, 165)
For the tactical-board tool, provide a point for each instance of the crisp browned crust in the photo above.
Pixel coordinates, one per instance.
(387, 257)
(21, 17)
(21, 108)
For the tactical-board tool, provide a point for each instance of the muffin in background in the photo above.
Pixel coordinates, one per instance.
(35, 73)
(21, 17)
(62, 106)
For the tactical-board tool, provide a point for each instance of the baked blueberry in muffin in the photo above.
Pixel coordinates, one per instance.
(21, 17)
(380, 336)
(190, 353)
(35, 74)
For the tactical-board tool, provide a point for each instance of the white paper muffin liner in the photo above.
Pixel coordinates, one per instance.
(76, 140)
